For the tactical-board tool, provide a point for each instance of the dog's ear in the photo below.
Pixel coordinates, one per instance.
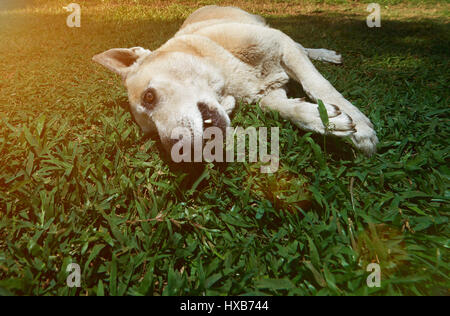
(121, 60)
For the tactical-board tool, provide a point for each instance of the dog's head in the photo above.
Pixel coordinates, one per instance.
(169, 91)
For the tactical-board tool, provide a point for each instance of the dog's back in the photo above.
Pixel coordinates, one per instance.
(213, 14)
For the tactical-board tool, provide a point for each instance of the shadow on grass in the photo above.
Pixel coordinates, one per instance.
(350, 34)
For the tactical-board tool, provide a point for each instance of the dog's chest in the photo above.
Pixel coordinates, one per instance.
(252, 69)
(250, 81)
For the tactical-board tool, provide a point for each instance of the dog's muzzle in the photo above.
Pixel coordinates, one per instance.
(211, 117)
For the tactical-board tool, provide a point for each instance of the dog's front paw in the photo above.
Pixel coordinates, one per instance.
(358, 128)
(307, 117)
(365, 139)
(340, 124)
(229, 103)
(332, 57)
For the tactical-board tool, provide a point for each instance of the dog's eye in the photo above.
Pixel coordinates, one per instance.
(149, 99)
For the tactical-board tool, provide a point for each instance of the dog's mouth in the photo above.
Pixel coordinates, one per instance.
(211, 117)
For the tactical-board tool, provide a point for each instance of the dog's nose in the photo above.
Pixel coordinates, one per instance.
(170, 143)
(184, 147)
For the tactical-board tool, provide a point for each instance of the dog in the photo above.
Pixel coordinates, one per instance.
(222, 55)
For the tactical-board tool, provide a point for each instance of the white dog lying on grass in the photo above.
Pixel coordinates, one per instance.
(224, 54)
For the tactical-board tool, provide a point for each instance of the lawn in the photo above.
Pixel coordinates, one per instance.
(79, 183)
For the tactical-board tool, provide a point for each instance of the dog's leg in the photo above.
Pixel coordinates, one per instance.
(229, 103)
(300, 68)
(322, 54)
(306, 115)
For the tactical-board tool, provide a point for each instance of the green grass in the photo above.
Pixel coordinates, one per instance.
(78, 183)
